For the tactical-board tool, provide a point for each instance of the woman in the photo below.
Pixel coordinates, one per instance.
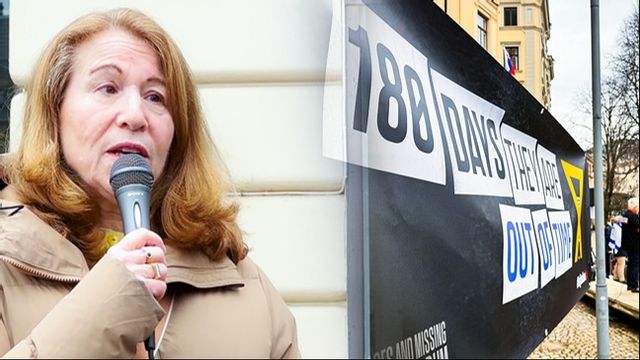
(109, 84)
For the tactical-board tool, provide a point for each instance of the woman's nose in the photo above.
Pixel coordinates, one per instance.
(131, 114)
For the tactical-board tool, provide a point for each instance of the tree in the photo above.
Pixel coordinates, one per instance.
(623, 140)
(620, 118)
(626, 71)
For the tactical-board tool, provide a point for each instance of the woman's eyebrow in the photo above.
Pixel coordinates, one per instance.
(106, 67)
(110, 67)
(157, 80)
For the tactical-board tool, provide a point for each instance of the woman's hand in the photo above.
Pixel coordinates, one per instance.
(143, 253)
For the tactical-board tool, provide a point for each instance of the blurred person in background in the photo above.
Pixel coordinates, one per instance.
(631, 242)
(608, 246)
(615, 243)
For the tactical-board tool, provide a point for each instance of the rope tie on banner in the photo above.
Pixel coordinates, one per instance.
(15, 208)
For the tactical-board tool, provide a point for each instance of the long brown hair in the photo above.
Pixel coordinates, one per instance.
(189, 203)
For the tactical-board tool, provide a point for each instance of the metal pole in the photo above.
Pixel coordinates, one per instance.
(602, 298)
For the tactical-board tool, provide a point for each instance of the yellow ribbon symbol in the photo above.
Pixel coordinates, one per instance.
(572, 172)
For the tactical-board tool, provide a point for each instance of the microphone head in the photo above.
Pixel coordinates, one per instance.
(130, 169)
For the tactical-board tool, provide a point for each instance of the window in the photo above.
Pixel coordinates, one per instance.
(510, 16)
(482, 30)
(514, 53)
(528, 14)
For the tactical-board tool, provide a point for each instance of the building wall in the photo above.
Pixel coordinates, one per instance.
(530, 34)
(260, 68)
(535, 70)
(464, 12)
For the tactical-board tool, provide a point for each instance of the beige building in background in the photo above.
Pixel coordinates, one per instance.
(521, 27)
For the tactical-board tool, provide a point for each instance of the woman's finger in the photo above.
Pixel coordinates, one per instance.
(128, 250)
(157, 288)
(139, 238)
(154, 271)
(150, 254)
(147, 254)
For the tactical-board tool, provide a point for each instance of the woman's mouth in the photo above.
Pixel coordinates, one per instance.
(128, 148)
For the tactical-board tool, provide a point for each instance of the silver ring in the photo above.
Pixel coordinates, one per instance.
(147, 255)
(156, 271)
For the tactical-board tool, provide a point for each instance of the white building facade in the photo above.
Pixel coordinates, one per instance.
(260, 67)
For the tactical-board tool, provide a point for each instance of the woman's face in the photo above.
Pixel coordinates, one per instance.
(114, 103)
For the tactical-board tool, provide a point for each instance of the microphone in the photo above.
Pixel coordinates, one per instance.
(131, 180)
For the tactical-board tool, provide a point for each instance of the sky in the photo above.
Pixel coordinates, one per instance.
(570, 46)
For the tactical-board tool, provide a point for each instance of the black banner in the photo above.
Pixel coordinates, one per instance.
(467, 199)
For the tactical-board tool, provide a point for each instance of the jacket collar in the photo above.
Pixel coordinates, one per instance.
(195, 268)
(27, 239)
(33, 244)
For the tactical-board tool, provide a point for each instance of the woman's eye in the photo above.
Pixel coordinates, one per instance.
(157, 98)
(109, 89)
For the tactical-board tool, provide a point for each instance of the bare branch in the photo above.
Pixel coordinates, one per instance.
(620, 118)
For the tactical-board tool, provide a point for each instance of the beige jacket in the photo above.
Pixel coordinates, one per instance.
(53, 306)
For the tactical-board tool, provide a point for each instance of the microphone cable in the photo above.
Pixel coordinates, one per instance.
(150, 345)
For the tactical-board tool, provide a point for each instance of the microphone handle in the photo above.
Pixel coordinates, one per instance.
(133, 201)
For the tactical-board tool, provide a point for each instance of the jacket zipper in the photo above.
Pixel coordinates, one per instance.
(37, 272)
